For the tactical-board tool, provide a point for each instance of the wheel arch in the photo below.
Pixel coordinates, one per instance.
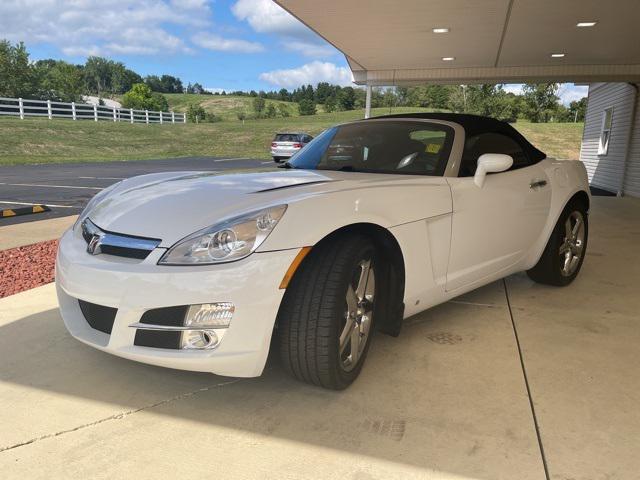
(391, 299)
(580, 196)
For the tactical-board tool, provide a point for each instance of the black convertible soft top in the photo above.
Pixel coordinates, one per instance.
(476, 124)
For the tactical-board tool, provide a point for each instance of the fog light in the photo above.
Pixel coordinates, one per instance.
(210, 315)
(200, 339)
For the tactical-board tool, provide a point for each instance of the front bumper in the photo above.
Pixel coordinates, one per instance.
(135, 286)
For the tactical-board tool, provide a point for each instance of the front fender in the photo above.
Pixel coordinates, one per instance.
(567, 178)
(308, 220)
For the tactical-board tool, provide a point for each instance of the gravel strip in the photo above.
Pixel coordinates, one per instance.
(27, 267)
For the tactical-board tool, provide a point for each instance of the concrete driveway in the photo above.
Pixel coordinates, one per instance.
(513, 381)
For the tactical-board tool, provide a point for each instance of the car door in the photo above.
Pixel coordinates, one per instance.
(494, 226)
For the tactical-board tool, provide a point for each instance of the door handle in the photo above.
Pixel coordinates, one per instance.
(537, 183)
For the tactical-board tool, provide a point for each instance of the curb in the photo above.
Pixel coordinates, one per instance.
(14, 212)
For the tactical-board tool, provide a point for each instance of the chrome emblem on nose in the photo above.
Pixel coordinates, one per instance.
(93, 247)
(93, 236)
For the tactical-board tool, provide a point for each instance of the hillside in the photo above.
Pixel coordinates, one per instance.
(225, 106)
(57, 141)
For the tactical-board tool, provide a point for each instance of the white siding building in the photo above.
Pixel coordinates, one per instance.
(611, 139)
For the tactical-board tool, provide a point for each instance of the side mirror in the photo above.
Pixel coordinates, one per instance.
(491, 163)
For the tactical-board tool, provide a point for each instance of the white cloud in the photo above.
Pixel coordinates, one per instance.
(265, 16)
(515, 88)
(216, 42)
(570, 92)
(216, 89)
(102, 27)
(311, 73)
(309, 49)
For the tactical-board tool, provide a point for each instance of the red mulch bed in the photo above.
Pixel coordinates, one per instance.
(27, 267)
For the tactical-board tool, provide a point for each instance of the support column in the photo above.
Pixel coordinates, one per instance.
(367, 107)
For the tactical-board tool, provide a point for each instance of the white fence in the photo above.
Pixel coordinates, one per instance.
(20, 107)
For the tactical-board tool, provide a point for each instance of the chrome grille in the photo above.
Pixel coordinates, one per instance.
(100, 241)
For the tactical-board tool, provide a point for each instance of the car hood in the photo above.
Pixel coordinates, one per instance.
(170, 206)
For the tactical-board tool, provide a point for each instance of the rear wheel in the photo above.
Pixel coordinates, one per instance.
(327, 316)
(563, 256)
(277, 159)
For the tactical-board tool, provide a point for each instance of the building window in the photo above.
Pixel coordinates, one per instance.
(605, 131)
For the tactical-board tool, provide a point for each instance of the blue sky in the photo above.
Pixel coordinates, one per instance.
(222, 44)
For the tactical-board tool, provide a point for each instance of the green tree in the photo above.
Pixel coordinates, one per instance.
(540, 101)
(306, 107)
(283, 110)
(141, 97)
(431, 96)
(270, 111)
(97, 75)
(578, 110)
(121, 79)
(17, 76)
(347, 98)
(259, 105)
(59, 80)
(330, 104)
(195, 113)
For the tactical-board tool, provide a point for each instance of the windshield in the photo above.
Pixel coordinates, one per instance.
(286, 137)
(401, 147)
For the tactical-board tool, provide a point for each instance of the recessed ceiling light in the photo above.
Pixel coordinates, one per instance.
(557, 55)
(448, 59)
(440, 30)
(586, 24)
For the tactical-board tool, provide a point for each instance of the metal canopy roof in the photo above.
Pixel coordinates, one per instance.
(391, 42)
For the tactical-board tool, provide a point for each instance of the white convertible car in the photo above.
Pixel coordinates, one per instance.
(372, 222)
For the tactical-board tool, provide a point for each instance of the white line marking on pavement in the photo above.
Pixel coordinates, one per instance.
(50, 186)
(40, 203)
(229, 159)
(103, 178)
(266, 163)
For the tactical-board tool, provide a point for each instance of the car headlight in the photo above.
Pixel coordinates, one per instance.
(94, 201)
(230, 240)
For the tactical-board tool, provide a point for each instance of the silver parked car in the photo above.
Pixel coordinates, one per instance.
(284, 145)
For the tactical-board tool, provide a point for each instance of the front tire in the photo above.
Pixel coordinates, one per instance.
(563, 256)
(327, 315)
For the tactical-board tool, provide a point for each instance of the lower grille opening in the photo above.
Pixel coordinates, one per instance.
(167, 316)
(157, 339)
(97, 316)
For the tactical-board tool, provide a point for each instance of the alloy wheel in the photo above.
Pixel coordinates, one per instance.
(358, 315)
(572, 247)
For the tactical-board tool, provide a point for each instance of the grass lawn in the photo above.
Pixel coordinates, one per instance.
(57, 141)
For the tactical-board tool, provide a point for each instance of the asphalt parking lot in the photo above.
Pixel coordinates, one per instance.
(66, 188)
(513, 381)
